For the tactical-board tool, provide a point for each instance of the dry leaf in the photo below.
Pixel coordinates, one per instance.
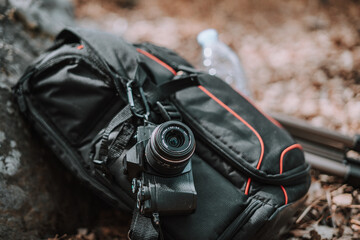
(354, 221)
(355, 227)
(343, 199)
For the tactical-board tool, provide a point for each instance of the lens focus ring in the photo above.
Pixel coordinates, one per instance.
(170, 147)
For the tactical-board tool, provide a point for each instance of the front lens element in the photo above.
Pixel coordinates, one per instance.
(174, 138)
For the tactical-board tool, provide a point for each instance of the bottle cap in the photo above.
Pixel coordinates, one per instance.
(207, 36)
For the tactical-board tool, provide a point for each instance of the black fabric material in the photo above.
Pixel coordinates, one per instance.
(142, 228)
(158, 93)
(121, 141)
(211, 217)
(69, 99)
(164, 54)
(74, 93)
(120, 55)
(75, 96)
(124, 115)
(237, 140)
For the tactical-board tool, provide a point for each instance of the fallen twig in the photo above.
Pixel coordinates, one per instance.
(333, 193)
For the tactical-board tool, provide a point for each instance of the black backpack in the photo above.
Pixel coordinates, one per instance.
(91, 95)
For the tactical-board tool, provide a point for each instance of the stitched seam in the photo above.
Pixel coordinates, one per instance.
(263, 200)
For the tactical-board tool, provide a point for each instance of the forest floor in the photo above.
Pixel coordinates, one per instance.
(301, 58)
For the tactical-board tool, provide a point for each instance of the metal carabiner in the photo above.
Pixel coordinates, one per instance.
(131, 101)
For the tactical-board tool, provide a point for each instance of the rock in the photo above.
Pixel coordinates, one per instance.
(36, 14)
(39, 198)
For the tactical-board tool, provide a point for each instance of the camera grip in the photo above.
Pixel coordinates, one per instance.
(167, 196)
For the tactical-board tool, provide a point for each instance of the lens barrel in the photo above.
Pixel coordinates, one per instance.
(170, 147)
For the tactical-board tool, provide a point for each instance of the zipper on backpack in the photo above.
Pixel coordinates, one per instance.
(239, 221)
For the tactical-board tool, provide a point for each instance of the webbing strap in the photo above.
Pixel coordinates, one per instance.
(178, 83)
(122, 139)
(122, 116)
(158, 93)
(142, 228)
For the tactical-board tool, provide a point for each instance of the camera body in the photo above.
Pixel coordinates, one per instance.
(159, 165)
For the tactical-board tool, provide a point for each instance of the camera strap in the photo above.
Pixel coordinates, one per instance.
(143, 228)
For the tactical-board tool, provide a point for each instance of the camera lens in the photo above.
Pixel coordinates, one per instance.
(174, 139)
(170, 147)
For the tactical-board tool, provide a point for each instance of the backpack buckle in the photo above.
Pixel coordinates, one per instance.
(131, 101)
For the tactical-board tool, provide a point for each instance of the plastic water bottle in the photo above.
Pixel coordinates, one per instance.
(218, 59)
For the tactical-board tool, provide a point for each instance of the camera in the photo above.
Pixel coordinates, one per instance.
(159, 166)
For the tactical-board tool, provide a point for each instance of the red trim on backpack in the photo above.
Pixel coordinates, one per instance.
(246, 124)
(285, 151)
(247, 186)
(240, 119)
(281, 165)
(80, 47)
(285, 194)
(149, 55)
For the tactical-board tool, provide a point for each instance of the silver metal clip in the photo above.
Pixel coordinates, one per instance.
(132, 102)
